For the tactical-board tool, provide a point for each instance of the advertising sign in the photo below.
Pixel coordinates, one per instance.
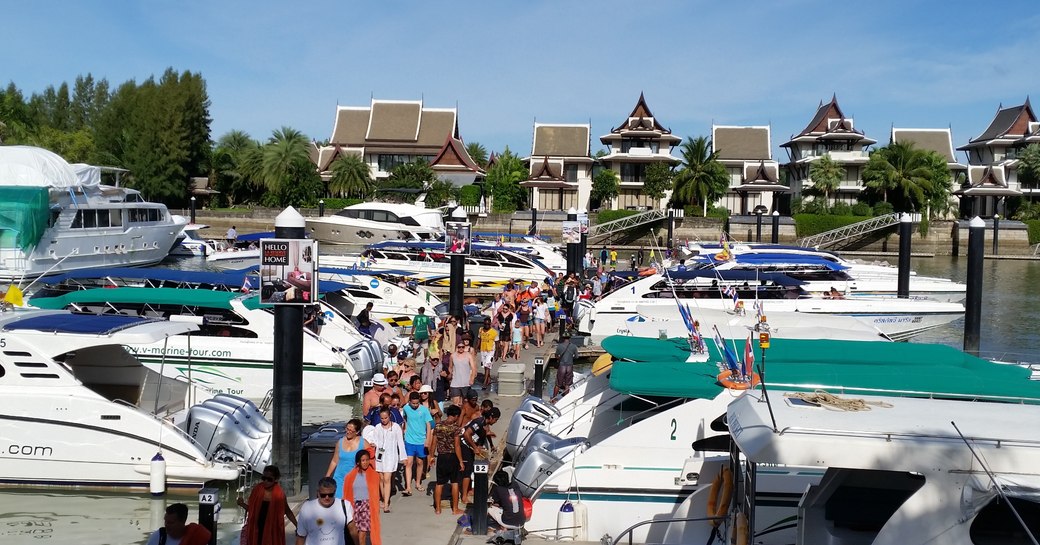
(288, 271)
(456, 238)
(583, 221)
(571, 232)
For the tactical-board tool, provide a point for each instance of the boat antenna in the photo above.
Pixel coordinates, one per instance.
(158, 386)
(686, 320)
(996, 485)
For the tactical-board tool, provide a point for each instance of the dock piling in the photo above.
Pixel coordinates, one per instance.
(973, 300)
(287, 411)
(905, 235)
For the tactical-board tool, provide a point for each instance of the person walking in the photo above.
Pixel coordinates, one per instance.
(389, 445)
(176, 530)
(232, 236)
(566, 351)
(603, 257)
(639, 257)
(613, 258)
(361, 488)
(325, 521)
(488, 338)
(418, 423)
(446, 450)
(346, 450)
(463, 373)
(266, 511)
(421, 328)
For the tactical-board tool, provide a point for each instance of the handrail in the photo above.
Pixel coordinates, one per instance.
(632, 528)
(627, 222)
(897, 393)
(843, 233)
(889, 435)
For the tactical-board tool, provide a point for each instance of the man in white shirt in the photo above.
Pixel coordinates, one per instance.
(322, 520)
(232, 235)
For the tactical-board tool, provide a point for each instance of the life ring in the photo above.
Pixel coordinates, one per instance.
(740, 529)
(727, 380)
(720, 495)
(722, 256)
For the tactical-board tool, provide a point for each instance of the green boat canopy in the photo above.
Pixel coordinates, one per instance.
(154, 296)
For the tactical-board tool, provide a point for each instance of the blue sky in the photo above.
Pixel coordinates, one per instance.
(506, 64)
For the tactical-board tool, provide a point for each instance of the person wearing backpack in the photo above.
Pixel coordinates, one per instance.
(570, 296)
(175, 531)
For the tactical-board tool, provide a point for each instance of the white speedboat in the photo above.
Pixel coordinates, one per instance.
(620, 447)
(905, 471)
(371, 222)
(78, 410)
(234, 349)
(243, 253)
(545, 252)
(394, 303)
(59, 217)
(897, 319)
(190, 244)
(487, 266)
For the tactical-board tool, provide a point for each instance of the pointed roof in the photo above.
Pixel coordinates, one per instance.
(492, 160)
(1015, 122)
(641, 119)
(824, 112)
(547, 175)
(453, 156)
(987, 181)
(394, 126)
(762, 177)
(938, 140)
(557, 140)
(830, 122)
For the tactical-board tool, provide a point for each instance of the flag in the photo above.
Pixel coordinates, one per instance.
(684, 313)
(727, 354)
(730, 291)
(246, 285)
(14, 296)
(749, 357)
(759, 311)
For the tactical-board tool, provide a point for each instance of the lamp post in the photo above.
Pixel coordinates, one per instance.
(458, 273)
(758, 226)
(321, 208)
(903, 273)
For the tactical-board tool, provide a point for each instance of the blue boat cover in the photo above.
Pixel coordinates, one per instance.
(753, 277)
(254, 236)
(93, 324)
(438, 247)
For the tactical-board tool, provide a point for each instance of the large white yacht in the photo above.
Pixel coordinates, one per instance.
(371, 222)
(77, 410)
(56, 217)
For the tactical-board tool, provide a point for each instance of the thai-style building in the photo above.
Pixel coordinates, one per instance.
(830, 133)
(637, 142)
(754, 176)
(993, 158)
(939, 141)
(560, 167)
(387, 133)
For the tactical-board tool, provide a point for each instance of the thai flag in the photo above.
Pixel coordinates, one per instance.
(730, 291)
(246, 285)
(759, 310)
(749, 357)
(727, 354)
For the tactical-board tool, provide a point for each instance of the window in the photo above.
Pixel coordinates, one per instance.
(388, 161)
(115, 217)
(633, 172)
(89, 219)
(77, 222)
(995, 523)
(570, 173)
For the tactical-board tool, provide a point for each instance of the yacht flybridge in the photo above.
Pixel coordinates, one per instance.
(56, 217)
(371, 222)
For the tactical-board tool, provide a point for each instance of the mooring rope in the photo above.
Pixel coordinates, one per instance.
(830, 401)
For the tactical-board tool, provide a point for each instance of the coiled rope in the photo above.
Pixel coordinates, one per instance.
(832, 402)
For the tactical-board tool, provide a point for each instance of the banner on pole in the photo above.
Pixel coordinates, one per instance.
(288, 271)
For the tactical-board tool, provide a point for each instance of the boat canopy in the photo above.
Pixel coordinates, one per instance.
(736, 275)
(646, 349)
(28, 166)
(24, 213)
(665, 379)
(438, 247)
(231, 279)
(103, 324)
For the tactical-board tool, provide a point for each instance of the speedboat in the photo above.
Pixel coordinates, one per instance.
(487, 265)
(244, 252)
(233, 350)
(78, 410)
(536, 247)
(56, 217)
(394, 302)
(897, 319)
(619, 444)
(898, 471)
(190, 244)
(822, 271)
(370, 222)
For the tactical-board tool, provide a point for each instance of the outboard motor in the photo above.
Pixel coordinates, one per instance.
(230, 430)
(581, 308)
(539, 406)
(366, 357)
(543, 461)
(537, 439)
(521, 425)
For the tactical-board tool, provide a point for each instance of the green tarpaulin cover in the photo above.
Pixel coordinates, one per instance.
(24, 213)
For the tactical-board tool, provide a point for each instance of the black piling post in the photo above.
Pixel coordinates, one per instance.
(973, 301)
(192, 210)
(572, 248)
(776, 227)
(287, 410)
(209, 508)
(758, 227)
(996, 234)
(583, 217)
(539, 376)
(480, 495)
(534, 221)
(905, 234)
(321, 208)
(671, 229)
(457, 278)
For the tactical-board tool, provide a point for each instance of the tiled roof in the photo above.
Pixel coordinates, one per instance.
(392, 124)
(938, 140)
(1008, 122)
(741, 143)
(561, 140)
(546, 170)
(453, 156)
(641, 119)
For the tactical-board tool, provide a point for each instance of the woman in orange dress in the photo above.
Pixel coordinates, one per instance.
(266, 511)
(361, 487)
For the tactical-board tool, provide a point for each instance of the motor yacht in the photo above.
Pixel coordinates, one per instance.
(371, 222)
(56, 217)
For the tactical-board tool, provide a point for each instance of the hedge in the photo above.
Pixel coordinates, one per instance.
(811, 224)
(1034, 231)
(611, 215)
(336, 203)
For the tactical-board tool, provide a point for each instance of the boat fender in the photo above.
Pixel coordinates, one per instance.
(565, 522)
(740, 530)
(727, 380)
(157, 475)
(720, 495)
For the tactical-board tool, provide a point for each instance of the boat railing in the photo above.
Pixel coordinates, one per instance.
(838, 389)
(623, 421)
(267, 402)
(629, 531)
(160, 419)
(888, 436)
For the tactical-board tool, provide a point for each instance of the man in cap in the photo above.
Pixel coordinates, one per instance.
(371, 398)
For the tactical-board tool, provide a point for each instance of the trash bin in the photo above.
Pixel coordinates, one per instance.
(476, 321)
(319, 447)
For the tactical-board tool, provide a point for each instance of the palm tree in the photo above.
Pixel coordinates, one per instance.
(826, 175)
(286, 168)
(702, 178)
(351, 177)
(478, 153)
(902, 169)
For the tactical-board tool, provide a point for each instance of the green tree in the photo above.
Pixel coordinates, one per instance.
(605, 186)
(478, 153)
(1029, 166)
(351, 177)
(287, 171)
(658, 180)
(229, 160)
(503, 182)
(440, 193)
(826, 175)
(907, 177)
(702, 178)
